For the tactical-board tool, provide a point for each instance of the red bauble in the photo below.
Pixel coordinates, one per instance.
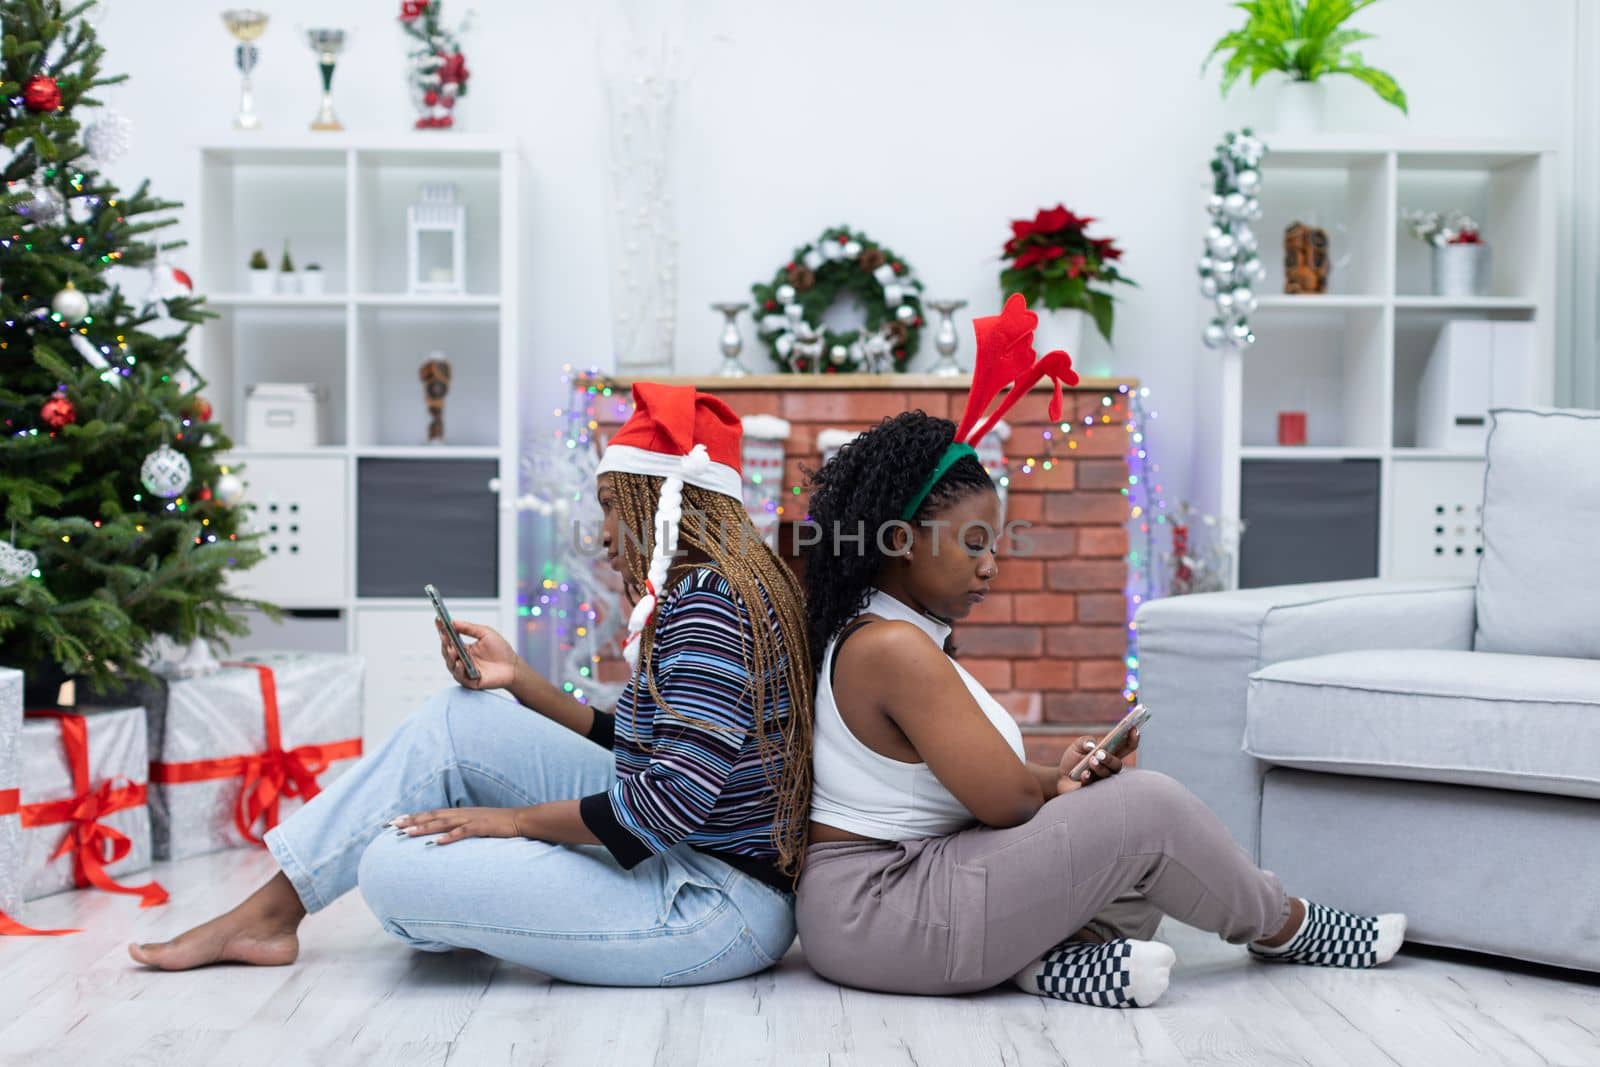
(200, 410)
(183, 279)
(204, 494)
(58, 411)
(430, 98)
(42, 93)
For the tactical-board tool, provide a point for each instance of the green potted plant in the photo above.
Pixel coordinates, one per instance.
(1301, 39)
(288, 280)
(1054, 263)
(261, 280)
(311, 282)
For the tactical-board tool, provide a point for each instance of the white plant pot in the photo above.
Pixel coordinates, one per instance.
(263, 282)
(288, 283)
(1299, 107)
(312, 283)
(1460, 270)
(1060, 329)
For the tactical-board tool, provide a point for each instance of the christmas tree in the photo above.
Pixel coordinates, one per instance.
(119, 523)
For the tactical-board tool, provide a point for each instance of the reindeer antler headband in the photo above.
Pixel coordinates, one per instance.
(1005, 357)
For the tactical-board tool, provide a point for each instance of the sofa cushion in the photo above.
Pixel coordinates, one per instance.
(1539, 580)
(1468, 718)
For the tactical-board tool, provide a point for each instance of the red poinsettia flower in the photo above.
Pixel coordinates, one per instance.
(1020, 229)
(1075, 266)
(1039, 255)
(411, 10)
(1105, 248)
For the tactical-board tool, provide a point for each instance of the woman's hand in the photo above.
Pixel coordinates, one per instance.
(1102, 764)
(491, 654)
(457, 824)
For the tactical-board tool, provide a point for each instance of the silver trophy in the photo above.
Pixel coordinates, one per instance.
(731, 341)
(945, 338)
(247, 26)
(327, 44)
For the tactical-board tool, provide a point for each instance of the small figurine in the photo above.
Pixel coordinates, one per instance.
(435, 376)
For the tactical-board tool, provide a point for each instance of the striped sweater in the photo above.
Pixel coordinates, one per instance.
(696, 777)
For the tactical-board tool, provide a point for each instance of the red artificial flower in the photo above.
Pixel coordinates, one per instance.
(1049, 220)
(42, 93)
(411, 10)
(454, 69)
(1467, 237)
(430, 98)
(771, 305)
(1020, 229)
(1105, 248)
(843, 239)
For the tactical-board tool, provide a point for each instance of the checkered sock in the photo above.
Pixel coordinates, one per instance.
(1329, 937)
(1118, 974)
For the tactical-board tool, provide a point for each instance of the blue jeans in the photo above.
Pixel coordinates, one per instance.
(570, 911)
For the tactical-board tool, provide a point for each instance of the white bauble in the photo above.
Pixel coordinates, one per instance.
(108, 136)
(1235, 204)
(1240, 333)
(1208, 286)
(1224, 246)
(1253, 210)
(838, 353)
(229, 490)
(1245, 236)
(1214, 233)
(905, 313)
(165, 472)
(1248, 181)
(852, 249)
(1214, 203)
(1224, 300)
(785, 294)
(1244, 300)
(1215, 336)
(1253, 269)
(1223, 269)
(1205, 264)
(70, 304)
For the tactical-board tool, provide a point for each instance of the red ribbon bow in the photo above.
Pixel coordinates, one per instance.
(11, 804)
(92, 844)
(269, 775)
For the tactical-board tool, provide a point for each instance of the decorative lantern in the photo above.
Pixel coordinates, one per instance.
(436, 241)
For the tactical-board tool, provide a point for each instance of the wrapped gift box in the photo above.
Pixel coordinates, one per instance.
(85, 821)
(236, 751)
(10, 795)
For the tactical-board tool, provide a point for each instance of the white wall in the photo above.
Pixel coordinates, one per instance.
(928, 124)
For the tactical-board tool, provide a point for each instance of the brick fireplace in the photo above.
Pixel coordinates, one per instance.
(1049, 642)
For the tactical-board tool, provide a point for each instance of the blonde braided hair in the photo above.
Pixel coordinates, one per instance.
(719, 526)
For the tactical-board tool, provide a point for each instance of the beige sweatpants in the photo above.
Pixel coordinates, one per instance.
(965, 912)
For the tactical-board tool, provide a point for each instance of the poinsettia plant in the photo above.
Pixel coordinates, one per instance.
(1054, 263)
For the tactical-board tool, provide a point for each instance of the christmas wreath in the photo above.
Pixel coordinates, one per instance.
(789, 308)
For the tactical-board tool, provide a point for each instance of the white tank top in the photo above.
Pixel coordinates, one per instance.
(865, 792)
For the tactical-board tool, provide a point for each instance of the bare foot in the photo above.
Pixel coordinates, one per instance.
(261, 931)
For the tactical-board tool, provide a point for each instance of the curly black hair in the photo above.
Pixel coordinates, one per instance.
(868, 483)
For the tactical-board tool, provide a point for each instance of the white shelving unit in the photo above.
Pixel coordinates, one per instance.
(1352, 358)
(353, 524)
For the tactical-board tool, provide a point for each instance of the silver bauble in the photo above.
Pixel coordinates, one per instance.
(785, 294)
(1223, 269)
(1214, 203)
(1224, 300)
(1253, 269)
(1244, 300)
(1248, 181)
(1224, 246)
(1205, 264)
(838, 353)
(229, 490)
(1240, 333)
(1208, 286)
(44, 206)
(1213, 232)
(70, 304)
(1235, 204)
(1215, 336)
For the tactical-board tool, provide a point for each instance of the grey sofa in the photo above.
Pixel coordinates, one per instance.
(1431, 747)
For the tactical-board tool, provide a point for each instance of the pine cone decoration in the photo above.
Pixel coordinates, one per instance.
(871, 260)
(802, 278)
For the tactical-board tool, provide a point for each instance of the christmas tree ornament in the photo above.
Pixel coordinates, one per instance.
(44, 204)
(42, 93)
(80, 209)
(58, 411)
(229, 490)
(165, 472)
(70, 304)
(15, 564)
(109, 136)
(1229, 263)
(200, 409)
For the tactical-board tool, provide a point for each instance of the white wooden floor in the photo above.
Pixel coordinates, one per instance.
(358, 997)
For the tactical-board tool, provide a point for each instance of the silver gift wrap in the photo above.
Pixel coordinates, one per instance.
(221, 715)
(117, 749)
(10, 778)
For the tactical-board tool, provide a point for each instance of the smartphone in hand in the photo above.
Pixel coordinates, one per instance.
(450, 628)
(1130, 722)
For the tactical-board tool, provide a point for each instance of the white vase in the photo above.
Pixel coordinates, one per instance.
(1460, 270)
(1060, 329)
(311, 283)
(288, 283)
(1298, 107)
(263, 282)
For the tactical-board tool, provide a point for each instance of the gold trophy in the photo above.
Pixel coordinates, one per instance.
(327, 44)
(247, 26)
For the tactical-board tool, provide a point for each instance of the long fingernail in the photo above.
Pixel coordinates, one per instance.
(401, 833)
(1101, 754)
(429, 844)
(1094, 762)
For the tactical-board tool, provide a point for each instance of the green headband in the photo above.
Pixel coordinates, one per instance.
(953, 452)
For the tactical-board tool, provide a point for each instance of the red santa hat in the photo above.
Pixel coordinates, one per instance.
(684, 437)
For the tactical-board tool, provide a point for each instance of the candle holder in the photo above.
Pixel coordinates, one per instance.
(945, 338)
(247, 26)
(731, 341)
(327, 44)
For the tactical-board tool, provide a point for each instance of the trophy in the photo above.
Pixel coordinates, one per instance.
(246, 26)
(327, 44)
(945, 338)
(732, 342)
